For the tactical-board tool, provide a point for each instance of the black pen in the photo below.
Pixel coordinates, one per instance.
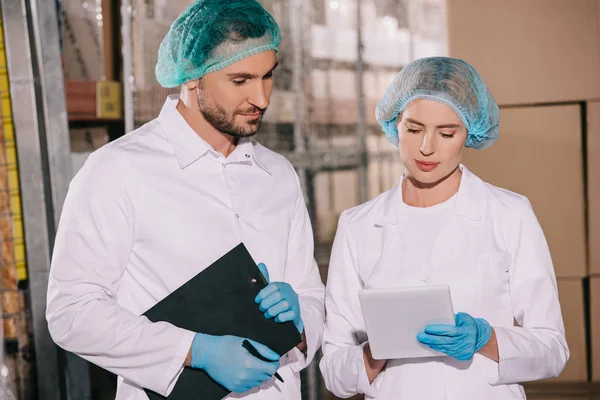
(252, 350)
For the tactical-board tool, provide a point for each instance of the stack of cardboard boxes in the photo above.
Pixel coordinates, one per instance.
(92, 85)
(389, 44)
(541, 61)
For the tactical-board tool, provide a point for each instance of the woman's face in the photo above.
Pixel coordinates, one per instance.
(431, 140)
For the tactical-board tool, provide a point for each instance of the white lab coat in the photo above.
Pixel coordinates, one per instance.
(150, 211)
(492, 254)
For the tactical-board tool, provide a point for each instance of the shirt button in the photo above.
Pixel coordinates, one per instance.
(247, 155)
(237, 215)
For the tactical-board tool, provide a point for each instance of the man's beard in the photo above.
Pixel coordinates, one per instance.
(218, 117)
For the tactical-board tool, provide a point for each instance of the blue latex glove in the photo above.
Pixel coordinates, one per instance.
(225, 360)
(461, 341)
(278, 300)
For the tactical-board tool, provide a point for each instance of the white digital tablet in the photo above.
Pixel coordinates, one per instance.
(394, 316)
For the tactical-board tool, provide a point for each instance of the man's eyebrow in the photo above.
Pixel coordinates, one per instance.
(244, 75)
(247, 75)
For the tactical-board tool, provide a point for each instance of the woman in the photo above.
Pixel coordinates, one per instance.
(441, 224)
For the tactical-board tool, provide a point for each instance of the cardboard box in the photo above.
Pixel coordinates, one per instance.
(539, 155)
(330, 104)
(531, 51)
(334, 192)
(339, 112)
(108, 100)
(383, 175)
(336, 43)
(388, 46)
(320, 88)
(147, 36)
(593, 181)
(342, 84)
(87, 140)
(374, 179)
(391, 168)
(83, 143)
(334, 111)
(345, 190)
(78, 160)
(595, 326)
(570, 292)
(370, 85)
(89, 100)
(395, 171)
(325, 219)
(150, 24)
(81, 99)
(282, 107)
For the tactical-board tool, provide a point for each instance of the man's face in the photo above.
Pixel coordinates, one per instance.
(234, 99)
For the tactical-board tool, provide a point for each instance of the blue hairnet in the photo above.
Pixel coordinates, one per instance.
(211, 35)
(452, 82)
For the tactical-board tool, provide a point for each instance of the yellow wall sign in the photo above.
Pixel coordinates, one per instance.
(108, 100)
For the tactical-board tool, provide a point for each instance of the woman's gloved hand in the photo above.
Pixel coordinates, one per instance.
(461, 341)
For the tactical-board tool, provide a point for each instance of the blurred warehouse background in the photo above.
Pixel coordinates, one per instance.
(76, 74)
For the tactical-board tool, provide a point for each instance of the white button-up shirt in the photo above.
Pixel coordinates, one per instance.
(147, 213)
(493, 255)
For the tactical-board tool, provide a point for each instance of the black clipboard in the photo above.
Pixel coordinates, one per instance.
(220, 301)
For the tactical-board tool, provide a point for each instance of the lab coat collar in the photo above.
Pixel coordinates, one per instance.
(246, 146)
(188, 146)
(468, 204)
(186, 143)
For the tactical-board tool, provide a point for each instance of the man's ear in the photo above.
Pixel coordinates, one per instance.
(192, 85)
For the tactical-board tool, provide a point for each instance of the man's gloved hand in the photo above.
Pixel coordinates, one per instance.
(225, 360)
(278, 300)
(461, 341)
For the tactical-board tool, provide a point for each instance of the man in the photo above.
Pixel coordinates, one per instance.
(151, 210)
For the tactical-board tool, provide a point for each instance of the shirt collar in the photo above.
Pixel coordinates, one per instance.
(247, 146)
(189, 146)
(469, 202)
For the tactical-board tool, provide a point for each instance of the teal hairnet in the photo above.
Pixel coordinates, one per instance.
(211, 35)
(452, 82)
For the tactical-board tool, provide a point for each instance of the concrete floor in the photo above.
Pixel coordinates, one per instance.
(577, 391)
(104, 382)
